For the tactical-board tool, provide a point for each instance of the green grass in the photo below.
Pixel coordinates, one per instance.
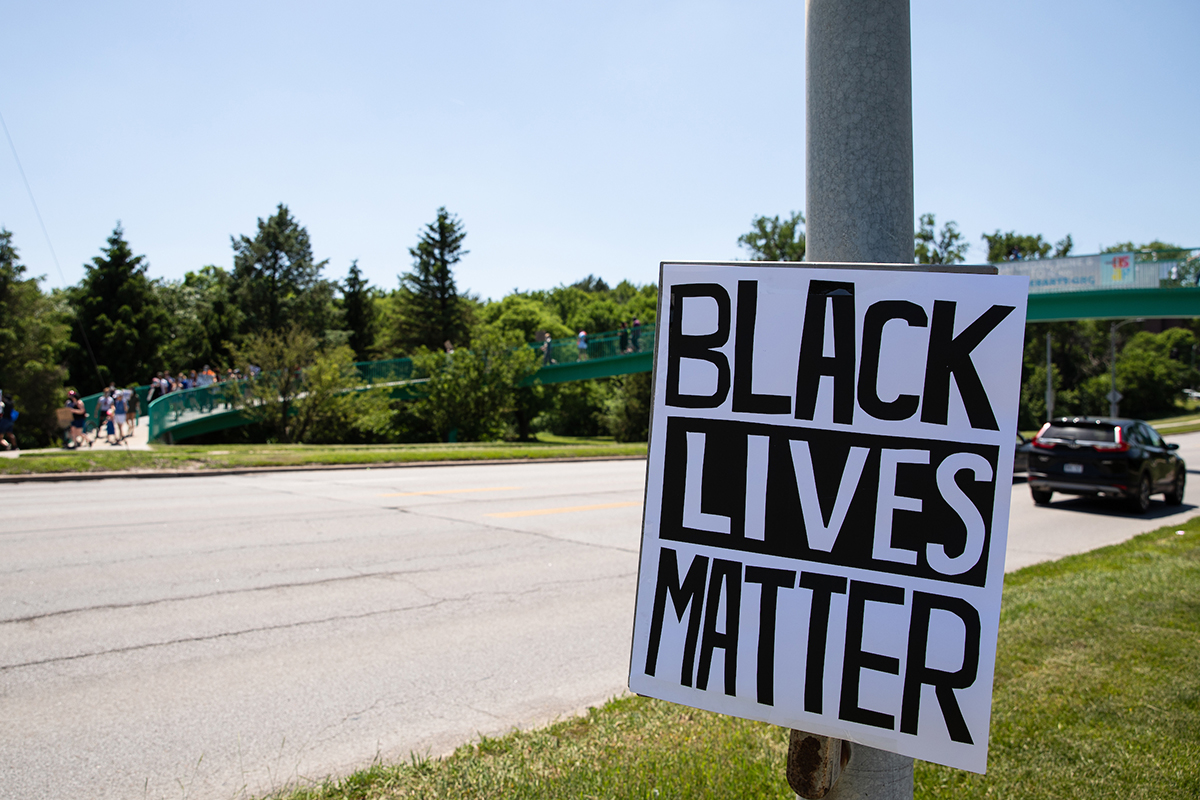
(1097, 695)
(196, 457)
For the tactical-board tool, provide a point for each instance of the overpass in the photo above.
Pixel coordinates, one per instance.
(191, 412)
(1106, 286)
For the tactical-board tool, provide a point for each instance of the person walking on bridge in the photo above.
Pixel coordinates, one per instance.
(78, 420)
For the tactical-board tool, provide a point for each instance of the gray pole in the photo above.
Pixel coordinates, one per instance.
(859, 182)
(1049, 381)
(1113, 408)
(859, 174)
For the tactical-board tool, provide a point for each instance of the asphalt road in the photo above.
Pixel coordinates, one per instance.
(219, 637)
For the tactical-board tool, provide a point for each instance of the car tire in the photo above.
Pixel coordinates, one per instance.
(1175, 496)
(1139, 502)
(1041, 496)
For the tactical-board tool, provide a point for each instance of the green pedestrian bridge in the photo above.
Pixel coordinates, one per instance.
(1108, 286)
(191, 412)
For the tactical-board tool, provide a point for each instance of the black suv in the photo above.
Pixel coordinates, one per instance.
(1107, 457)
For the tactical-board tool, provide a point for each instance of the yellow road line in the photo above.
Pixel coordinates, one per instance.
(537, 512)
(453, 491)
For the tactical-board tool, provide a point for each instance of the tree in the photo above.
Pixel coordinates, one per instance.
(358, 300)
(1013, 246)
(33, 340)
(471, 392)
(205, 320)
(775, 240)
(429, 311)
(122, 312)
(275, 280)
(305, 393)
(944, 247)
(627, 408)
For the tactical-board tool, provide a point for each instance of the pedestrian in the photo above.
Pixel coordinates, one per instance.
(581, 343)
(103, 404)
(78, 419)
(119, 409)
(132, 405)
(8, 419)
(547, 347)
(637, 335)
(624, 337)
(110, 427)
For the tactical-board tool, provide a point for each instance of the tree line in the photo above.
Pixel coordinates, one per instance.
(279, 309)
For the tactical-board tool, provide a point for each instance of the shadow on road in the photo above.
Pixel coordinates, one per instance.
(1110, 507)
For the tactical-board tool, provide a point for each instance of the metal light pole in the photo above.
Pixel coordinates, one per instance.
(1114, 397)
(859, 186)
(1049, 381)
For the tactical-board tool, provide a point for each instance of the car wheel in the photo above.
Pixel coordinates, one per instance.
(1175, 496)
(1041, 496)
(1139, 502)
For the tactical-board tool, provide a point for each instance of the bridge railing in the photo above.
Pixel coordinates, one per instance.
(607, 344)
(185, 404)
(89, 402)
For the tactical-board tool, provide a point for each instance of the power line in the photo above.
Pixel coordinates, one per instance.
(46, 233)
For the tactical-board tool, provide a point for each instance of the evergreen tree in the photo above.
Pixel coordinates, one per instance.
(33, 341)
(358, 301)
(121, 311)
(429, 311)
(275, 280)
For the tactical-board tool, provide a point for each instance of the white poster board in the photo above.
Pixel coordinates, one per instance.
(827, 499)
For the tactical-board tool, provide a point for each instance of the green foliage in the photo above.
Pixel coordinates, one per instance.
(33, 341)
(276, 283)
(427, 309)
(626, 412)
(1013, 246)
(521, 317)
(772, 239)
(598, 309)
(1097, 690)
(944, 247)
(304, 393)
(1150, 247)
(1152, 370)
(575, 409)
(122, 312)
(358, 301)
(471, 392)
(204, 320)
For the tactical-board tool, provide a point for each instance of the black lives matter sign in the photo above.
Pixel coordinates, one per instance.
(827, 499)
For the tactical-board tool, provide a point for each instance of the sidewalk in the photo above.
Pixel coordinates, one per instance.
(138, 440)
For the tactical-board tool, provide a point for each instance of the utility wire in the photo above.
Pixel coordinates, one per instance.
(53, 255)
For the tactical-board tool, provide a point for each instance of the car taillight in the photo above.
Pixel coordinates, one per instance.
(1037, 439)
(1119, 446)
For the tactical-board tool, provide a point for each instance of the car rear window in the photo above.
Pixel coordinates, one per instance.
(1081, 433)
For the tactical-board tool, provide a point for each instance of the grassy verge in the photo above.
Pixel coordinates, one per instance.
(1097, 696)
(194, 457)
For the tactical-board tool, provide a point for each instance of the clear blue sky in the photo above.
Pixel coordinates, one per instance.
(571, 138)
